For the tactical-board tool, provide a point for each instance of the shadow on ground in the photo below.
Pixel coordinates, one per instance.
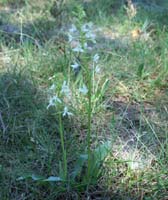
(21, 102)
(27, 132)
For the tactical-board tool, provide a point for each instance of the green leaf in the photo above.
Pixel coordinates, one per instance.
(33, 177)
(99, 154)
(39, 178)
(79, 165)
(61, 170)
(102, 151)
(140, 70)
(53, 179)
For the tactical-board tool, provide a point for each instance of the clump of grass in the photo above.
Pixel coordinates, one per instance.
(18, 96)
(76, 122)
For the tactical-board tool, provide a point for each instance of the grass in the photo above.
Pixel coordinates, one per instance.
(114, 145)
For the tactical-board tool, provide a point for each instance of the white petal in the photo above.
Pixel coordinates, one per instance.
(52, 87)
(65, 112)
(96, 58)
(73, 29)
(65, 89)
(90, 35)
(85, 45)
(75, 65)
(70, 37)
(78, 49)
(97, 69)
(83, 90)
(86, 27)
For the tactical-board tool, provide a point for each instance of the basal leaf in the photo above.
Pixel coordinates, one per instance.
(52, 179)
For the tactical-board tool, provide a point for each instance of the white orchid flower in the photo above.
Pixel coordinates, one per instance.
(70, 38)
(96, 58)
(97, 69)
(53, 101)
(90, 35)
(83, 90)
(86, 27)
(73, 29)
(52, 87)
(75, 66)
(66, 112)
(78, 48)
(65, 89)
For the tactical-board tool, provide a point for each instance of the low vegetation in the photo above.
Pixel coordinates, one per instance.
(83, 100)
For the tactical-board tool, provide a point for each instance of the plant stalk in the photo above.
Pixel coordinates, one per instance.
(89, 126)
(63, 147)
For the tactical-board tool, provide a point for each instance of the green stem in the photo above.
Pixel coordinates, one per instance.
(93, 78)
(63, 146)
(89, 125)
